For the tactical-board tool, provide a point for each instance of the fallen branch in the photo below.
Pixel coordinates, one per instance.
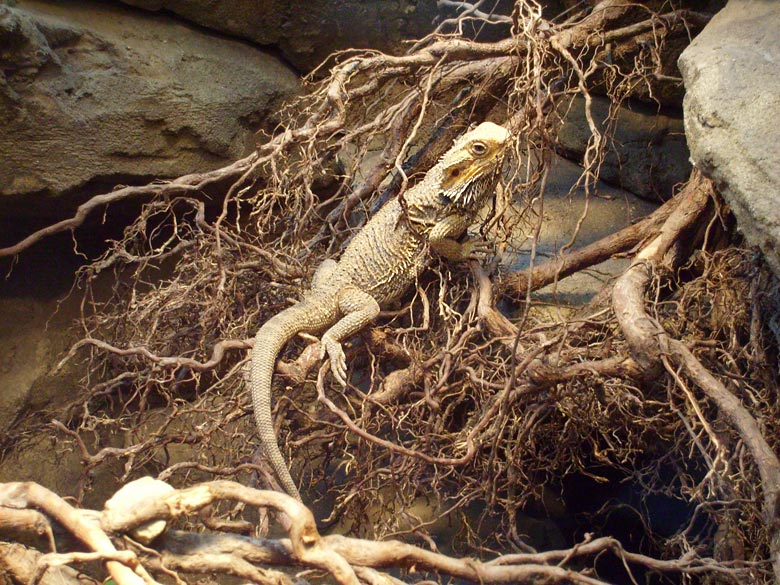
(21, 564)
(305, 539)
(341, 556)
(32, 495)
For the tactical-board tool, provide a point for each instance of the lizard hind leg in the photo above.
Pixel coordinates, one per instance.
(358, 309)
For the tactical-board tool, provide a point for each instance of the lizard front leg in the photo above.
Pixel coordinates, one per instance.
(442, 239)
(358, 309)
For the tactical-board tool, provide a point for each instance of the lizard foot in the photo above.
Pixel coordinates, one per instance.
(475, 249)
(338, 360)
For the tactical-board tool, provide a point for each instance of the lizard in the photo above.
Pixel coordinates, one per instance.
(381, 262)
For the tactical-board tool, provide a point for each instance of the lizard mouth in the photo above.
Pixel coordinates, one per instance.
(470, 184)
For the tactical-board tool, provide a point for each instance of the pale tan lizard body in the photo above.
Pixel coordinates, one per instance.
(379, 265)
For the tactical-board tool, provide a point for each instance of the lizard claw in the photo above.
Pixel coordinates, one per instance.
(475, 249)
(338, 360)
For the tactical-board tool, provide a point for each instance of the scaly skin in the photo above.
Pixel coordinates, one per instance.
(379, 265)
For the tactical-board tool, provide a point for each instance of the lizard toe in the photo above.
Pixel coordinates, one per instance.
(338, 359)
(475, 249)
(339, 369)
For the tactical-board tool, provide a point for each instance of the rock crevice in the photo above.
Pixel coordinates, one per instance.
(91, 90)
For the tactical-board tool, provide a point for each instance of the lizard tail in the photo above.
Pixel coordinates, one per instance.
(269, 341)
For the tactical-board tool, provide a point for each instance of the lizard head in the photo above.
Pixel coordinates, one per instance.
(470, 168)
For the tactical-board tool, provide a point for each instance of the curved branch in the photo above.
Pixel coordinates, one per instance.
(217, 353)
(21, 565)
(32, 495)
(628, 297)
(307, 545)
(185, 184)
(549, 566)
(749, 431)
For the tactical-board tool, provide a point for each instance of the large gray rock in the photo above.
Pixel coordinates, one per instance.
(307, 32)
(93, 92)
(646, 152)
(732, 111)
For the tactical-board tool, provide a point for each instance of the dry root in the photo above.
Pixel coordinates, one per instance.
(666, 382)
(346, 560)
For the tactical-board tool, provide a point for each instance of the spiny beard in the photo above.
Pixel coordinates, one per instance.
(471, 194)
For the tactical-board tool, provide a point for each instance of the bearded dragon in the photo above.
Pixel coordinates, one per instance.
(380, 263)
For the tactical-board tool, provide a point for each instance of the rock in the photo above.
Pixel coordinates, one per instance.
(732, 108)
(647, 155)
(91, 92)
(307, 32)
(560, 213)
(25, 357)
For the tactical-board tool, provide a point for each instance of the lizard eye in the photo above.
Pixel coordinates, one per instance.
(479, 148)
